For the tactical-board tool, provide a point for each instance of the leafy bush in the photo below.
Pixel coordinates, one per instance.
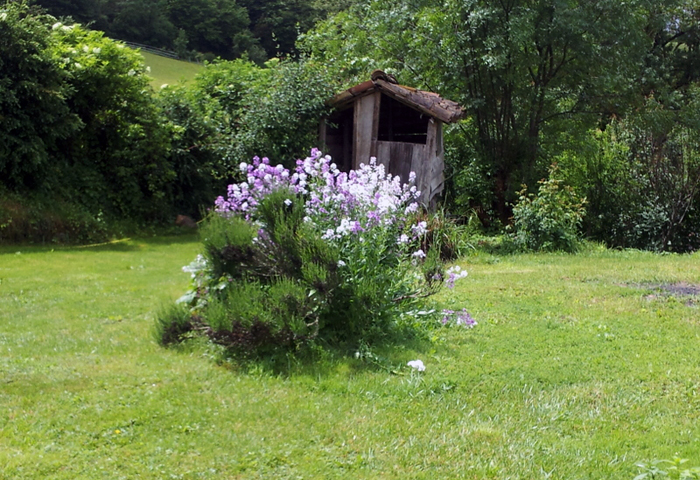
(33, 112)
(675, 469)
(641, 176)
(317, 254)
(551, 219)
(117, 161)
(444, 234)
(239, 108)
(27, 219)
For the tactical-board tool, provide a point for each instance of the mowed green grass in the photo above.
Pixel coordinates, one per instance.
(169, 71)
(576, 370)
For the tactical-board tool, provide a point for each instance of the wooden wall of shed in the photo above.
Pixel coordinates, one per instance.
(398, 158)
(366, 127)
(427, 161)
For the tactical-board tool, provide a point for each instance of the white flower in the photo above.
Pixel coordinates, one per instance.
(417, 365)
(456, 272)
(421, 228)
(244, 167)
(341, 263)
(287, 202)
(419, 254)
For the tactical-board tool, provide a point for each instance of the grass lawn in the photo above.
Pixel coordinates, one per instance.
(577, 369)
(167, 70)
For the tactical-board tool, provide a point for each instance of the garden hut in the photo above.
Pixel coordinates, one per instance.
(400, 126)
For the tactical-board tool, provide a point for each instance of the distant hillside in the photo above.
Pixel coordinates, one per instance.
(167, 70)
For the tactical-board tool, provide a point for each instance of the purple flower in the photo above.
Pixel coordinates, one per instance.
(462, 318)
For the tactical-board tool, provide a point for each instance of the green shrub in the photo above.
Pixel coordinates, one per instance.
(551, 219)
(449, 238)
(319, 254)
(26, 219)
(672, 469)
(172, 323)
(264, 290)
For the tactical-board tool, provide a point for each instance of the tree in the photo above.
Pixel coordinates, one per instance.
(519, 67)
(117, 162)
(144, 22)
(216, 26)
(34, 114)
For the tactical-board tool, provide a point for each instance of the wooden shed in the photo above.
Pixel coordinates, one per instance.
(399, 125)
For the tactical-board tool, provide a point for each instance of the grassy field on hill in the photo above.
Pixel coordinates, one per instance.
(169, 71)
(580, 367)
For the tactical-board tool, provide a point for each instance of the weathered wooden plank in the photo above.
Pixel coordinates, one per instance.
(384, 154)
(375, 123)
(364, 115)
(427, 102)
(435, 176)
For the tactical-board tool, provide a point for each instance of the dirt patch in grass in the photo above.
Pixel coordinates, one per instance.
(689, 291)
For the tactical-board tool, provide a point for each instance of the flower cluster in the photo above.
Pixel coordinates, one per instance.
(338, 204)
(458, 318)
(261, 179)
(454, 274)
(417, 365)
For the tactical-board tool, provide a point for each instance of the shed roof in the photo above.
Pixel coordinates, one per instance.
(426, 102)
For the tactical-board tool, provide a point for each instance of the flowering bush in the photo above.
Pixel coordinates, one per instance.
(292, 256)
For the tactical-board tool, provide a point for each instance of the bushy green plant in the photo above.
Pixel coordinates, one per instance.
(172, 323)
(263, 286)
(444, 234)
(33, 112)
(117, 161)
(672, 469)
(642, 178)
(317, 254)
(239, 109)
(549, 220)
(32, 219)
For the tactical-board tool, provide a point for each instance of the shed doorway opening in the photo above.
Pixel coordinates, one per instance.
(401, 123)
(339, 138)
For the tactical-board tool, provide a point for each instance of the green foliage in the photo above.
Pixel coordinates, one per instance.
(216, 26)
(171, 324)
(266, 290)
(34, 114)
(519, 68)
(674, 469)
(642, 178)
(228, 29)
(117, 161)
(194, 153)
(235, 110)
(227, 242)
(33, 219)
(449, 239)
(550, 220)
(282, 111)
